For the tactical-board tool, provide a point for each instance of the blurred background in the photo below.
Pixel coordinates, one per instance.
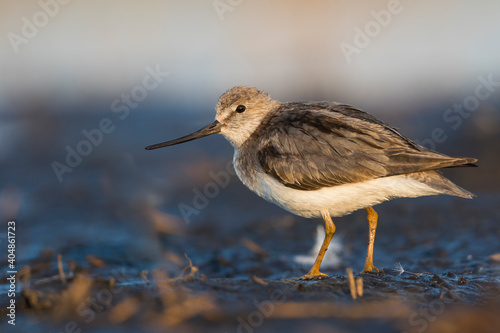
(86, 85)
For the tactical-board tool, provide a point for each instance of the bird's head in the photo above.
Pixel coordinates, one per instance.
(240, 110)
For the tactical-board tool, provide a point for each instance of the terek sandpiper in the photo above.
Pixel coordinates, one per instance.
(324, 159)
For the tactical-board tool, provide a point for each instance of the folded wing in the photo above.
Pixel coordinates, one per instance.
(316, 145)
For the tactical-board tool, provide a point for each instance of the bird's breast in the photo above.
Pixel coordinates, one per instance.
(245, 167)
(252, 175)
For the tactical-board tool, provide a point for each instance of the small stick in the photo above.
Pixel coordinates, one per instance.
(359, 286)
(352, 283)
(61, 269)
(144, 276)
(259, 280)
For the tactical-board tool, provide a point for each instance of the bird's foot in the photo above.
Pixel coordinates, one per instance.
(309, 276)
(369, 268)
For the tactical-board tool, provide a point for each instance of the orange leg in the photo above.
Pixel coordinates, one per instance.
(372, 221)
(314, 273)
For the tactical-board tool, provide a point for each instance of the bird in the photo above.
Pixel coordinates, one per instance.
(324, 159)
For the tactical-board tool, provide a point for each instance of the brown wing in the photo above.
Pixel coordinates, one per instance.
(315, 145)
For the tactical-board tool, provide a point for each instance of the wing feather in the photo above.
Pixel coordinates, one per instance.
(309, 146)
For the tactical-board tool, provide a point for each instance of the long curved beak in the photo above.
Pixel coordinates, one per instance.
(205, 131)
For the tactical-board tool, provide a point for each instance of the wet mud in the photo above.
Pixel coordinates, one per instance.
(447, 279)
(112, 249)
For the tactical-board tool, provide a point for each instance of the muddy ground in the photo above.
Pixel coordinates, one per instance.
(234, 286)
(112, 249)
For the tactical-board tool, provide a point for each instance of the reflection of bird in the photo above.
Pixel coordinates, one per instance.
(324, 159)
(332, 257)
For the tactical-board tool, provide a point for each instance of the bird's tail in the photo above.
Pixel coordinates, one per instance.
(458, 162)
(437, 181)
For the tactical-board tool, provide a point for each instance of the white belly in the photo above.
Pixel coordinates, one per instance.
(338, 200)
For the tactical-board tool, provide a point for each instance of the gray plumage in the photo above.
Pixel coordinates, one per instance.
(308, 146)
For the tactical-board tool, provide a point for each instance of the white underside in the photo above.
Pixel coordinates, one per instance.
(338, 200)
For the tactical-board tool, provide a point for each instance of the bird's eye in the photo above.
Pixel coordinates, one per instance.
(241, 108)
